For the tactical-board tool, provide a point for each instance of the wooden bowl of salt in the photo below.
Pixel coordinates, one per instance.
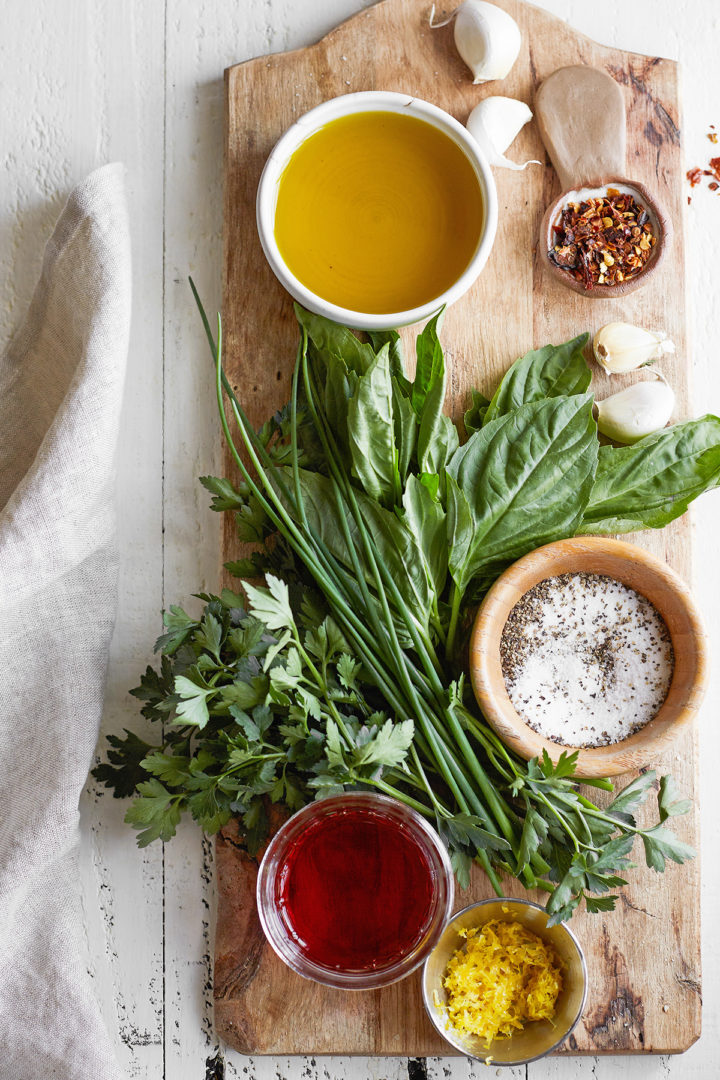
(653, 581)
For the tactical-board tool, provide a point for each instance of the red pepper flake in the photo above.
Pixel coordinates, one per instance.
(689, 199)
(604, 240)
(694, 176)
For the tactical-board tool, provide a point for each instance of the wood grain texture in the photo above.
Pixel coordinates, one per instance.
(644, 958)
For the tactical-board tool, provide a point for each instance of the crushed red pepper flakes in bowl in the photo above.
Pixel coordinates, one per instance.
(603, 240)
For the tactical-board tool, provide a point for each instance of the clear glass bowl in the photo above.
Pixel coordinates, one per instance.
(276, 929)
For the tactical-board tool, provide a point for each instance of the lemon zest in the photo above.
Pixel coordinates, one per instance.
(501, 978)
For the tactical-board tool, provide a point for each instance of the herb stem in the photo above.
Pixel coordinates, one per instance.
(396, 794)
(481, 777)
(455, 602)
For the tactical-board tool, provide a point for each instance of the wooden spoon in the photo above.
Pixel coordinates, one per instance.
(580, 113)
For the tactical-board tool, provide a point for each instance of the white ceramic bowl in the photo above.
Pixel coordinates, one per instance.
(371, 101)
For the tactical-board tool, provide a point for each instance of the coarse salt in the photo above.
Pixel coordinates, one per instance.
(587, 661)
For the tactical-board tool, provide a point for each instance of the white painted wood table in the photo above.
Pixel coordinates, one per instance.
(88, 81)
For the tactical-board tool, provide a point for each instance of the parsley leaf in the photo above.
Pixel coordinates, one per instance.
(156, 811)
(123, 770)
(271, 605)
(662, 844)
(192, 707)
(389, 746)
(669, 802)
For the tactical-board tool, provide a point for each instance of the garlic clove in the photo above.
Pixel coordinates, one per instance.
(487, 38)
(494, 123)
(637, 411)
(621, 347)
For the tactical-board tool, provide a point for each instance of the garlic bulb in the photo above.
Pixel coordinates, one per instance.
(637, 411)
(487, 38)
(494, 123)
(622, 347)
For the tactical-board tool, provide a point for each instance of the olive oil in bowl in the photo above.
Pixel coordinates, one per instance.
(379, 212)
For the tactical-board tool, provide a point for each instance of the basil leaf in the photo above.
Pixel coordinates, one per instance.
(432, 482)
(406, 430)
(330, 337)
(652, 482)
(474, 416)
(430, 369)
(460, 533)
(340, 387)
(526, 479)
(378, 338)
(425, 519)
(371, 432)
(438, 440)
(438, 437)
(554, 371)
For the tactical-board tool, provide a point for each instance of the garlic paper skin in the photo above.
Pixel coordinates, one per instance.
(494, 123)
(487, 38)
(619, 347)
(637, 411)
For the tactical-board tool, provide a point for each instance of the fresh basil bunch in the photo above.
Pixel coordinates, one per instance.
(378, 533)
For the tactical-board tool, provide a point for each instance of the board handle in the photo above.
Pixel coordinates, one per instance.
(581, 117)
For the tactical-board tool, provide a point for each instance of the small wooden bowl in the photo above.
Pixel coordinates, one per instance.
(639, 570)
(657, 218)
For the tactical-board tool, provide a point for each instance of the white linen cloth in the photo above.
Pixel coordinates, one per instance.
(61, 383)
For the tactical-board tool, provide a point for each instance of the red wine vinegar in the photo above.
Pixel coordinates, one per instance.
(355, 892)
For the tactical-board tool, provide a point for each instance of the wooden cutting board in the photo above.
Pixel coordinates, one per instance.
(643, 959)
